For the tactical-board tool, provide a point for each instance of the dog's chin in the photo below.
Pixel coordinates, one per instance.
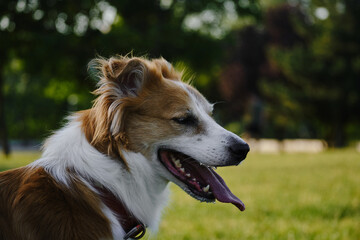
(187, 173)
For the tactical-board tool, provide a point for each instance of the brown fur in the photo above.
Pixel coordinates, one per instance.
(34, 206)
(135, 112)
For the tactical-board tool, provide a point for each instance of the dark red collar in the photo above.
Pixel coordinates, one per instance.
(132, 226)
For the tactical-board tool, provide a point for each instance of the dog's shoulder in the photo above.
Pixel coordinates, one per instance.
(31, 199)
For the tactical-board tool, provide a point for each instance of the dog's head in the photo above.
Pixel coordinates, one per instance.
(143, 106)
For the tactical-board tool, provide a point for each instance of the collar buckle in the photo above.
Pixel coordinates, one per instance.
(136, 233)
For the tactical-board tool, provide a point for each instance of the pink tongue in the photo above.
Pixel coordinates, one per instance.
(221, 192)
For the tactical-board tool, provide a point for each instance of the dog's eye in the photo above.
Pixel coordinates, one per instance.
(187, 120)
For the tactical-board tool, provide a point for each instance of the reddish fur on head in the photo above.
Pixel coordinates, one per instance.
(122, 111)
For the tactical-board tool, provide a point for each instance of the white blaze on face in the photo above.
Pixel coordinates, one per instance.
(208, 143)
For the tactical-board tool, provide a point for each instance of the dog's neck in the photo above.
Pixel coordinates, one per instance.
(130, 224)
(141, 190)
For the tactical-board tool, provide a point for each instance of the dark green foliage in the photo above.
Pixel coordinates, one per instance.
(46, 45)
(306, 70)
(287, 72)
(321, 70)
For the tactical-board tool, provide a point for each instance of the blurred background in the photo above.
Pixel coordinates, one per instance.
(277, 69)
(285, 75)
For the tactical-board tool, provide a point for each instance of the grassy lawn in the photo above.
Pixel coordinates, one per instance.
(287, 196)
(17, 159)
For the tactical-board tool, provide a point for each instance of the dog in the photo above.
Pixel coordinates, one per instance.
(105, 174)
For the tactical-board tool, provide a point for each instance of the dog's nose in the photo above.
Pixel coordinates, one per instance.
(239, 150)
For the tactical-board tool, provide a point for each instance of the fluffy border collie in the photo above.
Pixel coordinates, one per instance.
(105, 174)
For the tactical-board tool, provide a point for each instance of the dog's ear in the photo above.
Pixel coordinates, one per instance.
(128, 74)
(167, 70)
(132, 77)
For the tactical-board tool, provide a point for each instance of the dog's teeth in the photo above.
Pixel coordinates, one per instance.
(177, 163)
(194, 179)
(182, 170)
(206, 189)
(188, 175)
(201, 164)
(214, 168)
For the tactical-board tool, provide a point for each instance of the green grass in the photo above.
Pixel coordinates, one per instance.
(287, 196)
(17, 159)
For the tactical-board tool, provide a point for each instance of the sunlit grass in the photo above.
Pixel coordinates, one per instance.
(287, 196)
(17, 159)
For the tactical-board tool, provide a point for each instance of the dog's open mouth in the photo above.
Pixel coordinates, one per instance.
(203, 182)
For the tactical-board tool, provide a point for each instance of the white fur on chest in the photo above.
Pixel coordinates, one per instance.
(141, 189)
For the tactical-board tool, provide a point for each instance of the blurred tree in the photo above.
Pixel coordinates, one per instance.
(239, 78)
(323, 75)
(283, 109)
(307, 70)
(3, 129)
(39, 47)
(46, 44)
